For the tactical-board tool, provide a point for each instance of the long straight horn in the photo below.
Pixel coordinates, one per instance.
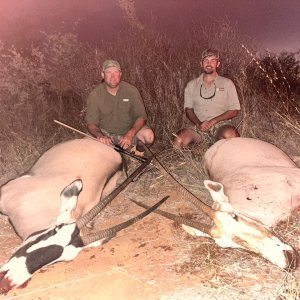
(90, 215)
(111, 232)
(178, 219)
(181, 189)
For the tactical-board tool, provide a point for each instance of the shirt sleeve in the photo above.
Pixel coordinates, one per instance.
(233, 102)
(92, 113)
(138, 108)
(188, 97)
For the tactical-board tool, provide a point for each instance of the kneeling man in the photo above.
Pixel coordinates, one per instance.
(115, 111)
(210, 102)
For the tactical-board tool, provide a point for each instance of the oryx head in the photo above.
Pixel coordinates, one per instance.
(62, 241)
(45, 246)
(234, 230)
(230, 229)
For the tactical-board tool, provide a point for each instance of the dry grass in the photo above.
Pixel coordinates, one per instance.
(52, 82)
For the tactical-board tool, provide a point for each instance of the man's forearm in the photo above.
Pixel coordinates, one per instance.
(192, 116)
(229, 114)
(94, 130)
(138, 125)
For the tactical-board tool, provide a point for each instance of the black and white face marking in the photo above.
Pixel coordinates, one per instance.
(45, 246)
(39, 250)
(61, 242)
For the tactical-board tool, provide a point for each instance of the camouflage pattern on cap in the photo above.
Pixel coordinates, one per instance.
(210, 52)
(109, 63)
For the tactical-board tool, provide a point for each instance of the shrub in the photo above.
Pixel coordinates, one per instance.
(51, 80)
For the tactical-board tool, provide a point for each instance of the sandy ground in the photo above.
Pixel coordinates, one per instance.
(153, 259)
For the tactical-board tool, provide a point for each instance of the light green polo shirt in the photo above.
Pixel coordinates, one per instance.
(115, 114)
(225, 97)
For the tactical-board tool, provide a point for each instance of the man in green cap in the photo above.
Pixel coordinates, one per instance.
(115, 111)
(210, 103)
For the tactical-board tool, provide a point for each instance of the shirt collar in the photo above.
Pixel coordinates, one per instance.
(121, 86)
(200, 79)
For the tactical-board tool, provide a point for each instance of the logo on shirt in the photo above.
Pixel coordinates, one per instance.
(125, 100)
(220, 89)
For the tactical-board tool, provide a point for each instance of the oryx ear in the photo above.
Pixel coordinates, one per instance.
(221, 201)
(68, 198)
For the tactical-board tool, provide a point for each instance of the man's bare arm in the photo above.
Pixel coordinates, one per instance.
(229, 114)
(126, 141)
(192, 116)
(95, 131)
(137, 126)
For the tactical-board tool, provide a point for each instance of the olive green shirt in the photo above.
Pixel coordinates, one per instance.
(115, 114)
(224, 97)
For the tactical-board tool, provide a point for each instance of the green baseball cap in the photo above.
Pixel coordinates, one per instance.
(109, 63)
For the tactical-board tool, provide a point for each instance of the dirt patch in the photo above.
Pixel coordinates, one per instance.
(154, 259)
(157, 259)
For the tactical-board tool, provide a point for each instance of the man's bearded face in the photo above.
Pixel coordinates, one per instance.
(210, 64)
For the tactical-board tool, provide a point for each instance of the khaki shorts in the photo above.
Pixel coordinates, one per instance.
(116, 138)
(210, 137)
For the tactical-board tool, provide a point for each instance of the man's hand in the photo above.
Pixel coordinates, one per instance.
(207, 125)
(104, 139)
(95, 131)
(126, 140)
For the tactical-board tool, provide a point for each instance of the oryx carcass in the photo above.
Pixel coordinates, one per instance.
(32, 201)
(258, 185)
(260, 180)
(48, 212)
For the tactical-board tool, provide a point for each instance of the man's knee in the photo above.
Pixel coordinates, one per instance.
(146, 135)
(178, 140)
(227, 132)
(185, 136)
(149, 136)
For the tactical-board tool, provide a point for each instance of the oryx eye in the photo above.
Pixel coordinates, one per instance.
(58, 227)
(234, 216)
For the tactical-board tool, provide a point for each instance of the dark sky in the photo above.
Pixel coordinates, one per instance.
(274, 23)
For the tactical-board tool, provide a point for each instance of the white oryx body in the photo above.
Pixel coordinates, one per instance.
(32, 202)
(49, 212)
(255, 186)
(45, 209)
(259, 179)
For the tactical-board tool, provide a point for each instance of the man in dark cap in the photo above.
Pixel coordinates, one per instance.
(115, 111)
(210, 103)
